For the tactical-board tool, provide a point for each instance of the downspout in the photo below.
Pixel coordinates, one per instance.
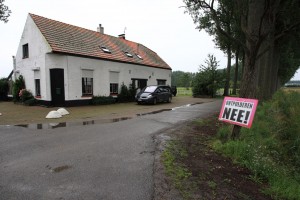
(14, 67)
(68, 83)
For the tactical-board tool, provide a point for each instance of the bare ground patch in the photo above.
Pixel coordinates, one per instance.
(211, 175)
(13, 114)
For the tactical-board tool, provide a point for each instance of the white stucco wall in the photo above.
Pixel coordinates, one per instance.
(73, 67)
(38, 47)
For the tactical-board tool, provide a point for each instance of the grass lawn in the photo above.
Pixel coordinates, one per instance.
(182, 91)
(296, 89)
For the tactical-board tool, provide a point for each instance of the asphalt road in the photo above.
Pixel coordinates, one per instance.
(102, 161)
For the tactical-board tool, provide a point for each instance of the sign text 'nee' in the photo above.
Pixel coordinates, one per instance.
(238, 111)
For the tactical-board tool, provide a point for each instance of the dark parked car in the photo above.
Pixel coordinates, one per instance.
(154, 94)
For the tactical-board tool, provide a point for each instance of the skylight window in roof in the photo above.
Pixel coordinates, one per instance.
(105, 50)
(140, 57)
(128, 54)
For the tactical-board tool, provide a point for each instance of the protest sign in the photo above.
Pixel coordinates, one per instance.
(238, 111)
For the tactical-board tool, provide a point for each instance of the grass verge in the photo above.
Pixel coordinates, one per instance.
(198, 172)
(172, 157)
(271, 148)
(183, 91)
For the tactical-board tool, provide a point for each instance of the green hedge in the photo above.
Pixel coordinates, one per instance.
(3, 89)
(102, 100)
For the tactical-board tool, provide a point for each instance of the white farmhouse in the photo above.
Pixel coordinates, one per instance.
(65, 65)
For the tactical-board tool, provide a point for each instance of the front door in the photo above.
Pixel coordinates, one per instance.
(57, 87)
(139, 83)
(142, 83)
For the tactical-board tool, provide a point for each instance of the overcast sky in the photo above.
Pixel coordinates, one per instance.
(161, 25)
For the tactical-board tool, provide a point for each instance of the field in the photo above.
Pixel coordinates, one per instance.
(296, 89)
(182, 91)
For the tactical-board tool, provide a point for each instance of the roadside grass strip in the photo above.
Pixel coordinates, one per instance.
(271, 148)
(175, 169)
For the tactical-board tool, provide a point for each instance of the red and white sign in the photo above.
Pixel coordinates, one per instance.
(238, 111)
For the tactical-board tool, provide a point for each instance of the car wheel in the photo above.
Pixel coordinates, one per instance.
(154, 101)
(170, 99)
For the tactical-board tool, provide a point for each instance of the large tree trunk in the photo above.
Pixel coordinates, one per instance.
(236, 72)
(276, 84)
(251, 25)
(249, 84)
(248, 87)
(243, 63)
(226, 86)
(261, 65)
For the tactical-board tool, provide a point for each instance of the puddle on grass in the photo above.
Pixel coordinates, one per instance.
(91, 122)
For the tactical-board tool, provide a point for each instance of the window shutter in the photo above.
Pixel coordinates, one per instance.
(114, 77)
(37, 75)
(87, 73)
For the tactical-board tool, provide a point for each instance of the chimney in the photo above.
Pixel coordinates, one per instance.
(100, 29)
(122, 36)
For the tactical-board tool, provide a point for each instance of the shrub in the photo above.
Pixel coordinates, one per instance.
(3, 89)
(126, 95)
(25, 95)
(102, 100)
(27, 98)
(18, 85)
(31, 102)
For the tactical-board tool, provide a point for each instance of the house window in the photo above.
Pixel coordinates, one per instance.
(114, 82)
(87, 86)
(37, 87)
(140, 57)
(25, 51)
(128, 54)
(161, 82)
(105, 50)
(114, 88)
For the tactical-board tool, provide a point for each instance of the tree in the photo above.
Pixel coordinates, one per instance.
(4, 12)
(4, 87)
(18, 85)
(225, 13)
(236, 72)
(264, 24)
(208, 79)
(181, 79)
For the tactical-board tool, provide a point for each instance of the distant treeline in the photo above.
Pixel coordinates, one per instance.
(185, 79)
(182, 79)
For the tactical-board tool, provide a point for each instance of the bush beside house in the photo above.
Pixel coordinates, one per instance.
(126, 95)
(21, 94)
(4, 88)
(102, 100)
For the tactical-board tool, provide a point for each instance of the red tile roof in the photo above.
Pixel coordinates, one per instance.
(69, 39)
